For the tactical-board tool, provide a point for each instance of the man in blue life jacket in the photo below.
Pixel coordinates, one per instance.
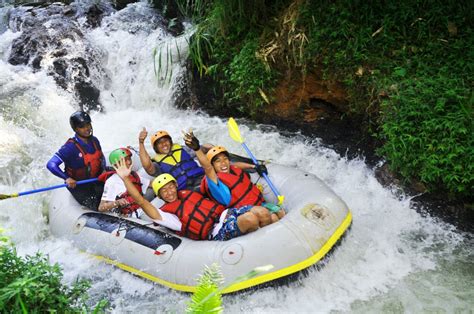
(170, 158)
(83, 159)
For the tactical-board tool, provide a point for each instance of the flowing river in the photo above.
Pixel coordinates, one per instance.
(393, 259)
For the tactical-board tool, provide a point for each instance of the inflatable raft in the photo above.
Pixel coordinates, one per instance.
(316, 219)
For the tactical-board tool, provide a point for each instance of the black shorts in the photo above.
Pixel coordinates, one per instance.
(88, 194)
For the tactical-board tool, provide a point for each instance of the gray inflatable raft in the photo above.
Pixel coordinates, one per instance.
(316, 219)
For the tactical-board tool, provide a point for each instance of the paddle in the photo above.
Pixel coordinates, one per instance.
(5, 196)
(235, 135)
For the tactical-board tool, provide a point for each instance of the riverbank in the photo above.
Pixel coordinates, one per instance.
(385, 81)
(342, 132)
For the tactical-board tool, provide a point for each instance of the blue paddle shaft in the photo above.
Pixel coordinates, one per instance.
(270, 183)
(56, 187)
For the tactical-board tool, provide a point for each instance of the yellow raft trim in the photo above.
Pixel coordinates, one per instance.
(146, 275)
(253, 281)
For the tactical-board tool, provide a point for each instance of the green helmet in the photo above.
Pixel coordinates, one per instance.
(118, 153)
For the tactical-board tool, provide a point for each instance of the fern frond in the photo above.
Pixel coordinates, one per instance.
(207, 298)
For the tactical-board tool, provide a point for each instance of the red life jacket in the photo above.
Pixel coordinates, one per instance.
(132, 206)
(242, 190)
(196, 213)
(92, 162)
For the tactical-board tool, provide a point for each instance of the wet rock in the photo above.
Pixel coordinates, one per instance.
(140, 18)
(88, 95)
(52, 40)
(172, 16)
(385, 176)
(120, 4)
(94, 16)
(418, 187)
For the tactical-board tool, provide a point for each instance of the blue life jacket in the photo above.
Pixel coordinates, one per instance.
(179, 164)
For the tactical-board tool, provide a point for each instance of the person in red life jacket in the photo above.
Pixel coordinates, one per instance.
(170, 158)
(115, 196)
(228, 184)
(83, 159)
(200, 217)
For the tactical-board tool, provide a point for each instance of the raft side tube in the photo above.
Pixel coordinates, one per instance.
(316, 218)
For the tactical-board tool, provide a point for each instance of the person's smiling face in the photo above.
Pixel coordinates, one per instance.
(163, 145)
(169, 192)
(221, 163)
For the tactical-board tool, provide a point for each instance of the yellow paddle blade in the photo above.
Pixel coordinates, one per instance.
(281, 198)
(5, 196)
(234, 131)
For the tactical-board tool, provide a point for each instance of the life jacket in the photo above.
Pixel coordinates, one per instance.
(196, 213)
(179, 164)
(242, 190)
(92, 166)
(132, 206)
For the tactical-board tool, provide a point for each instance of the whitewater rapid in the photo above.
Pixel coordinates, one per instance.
(393, 259)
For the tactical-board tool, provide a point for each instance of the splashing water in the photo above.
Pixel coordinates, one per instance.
(393, 259)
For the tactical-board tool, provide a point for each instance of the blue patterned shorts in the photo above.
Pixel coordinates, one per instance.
(229, 228)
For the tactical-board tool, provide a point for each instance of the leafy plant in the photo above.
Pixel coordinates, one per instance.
(163, 61)
(224, 46)
(4, 240)
(31, 284)
(248, 77)
(427, 127)
(207, 298)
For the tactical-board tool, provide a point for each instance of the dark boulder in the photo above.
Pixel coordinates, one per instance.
(52, 40)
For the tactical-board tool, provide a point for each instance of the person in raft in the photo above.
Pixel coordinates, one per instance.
(200, 217)
(83, 159)
(228, 184)
(170, 158)
(115, 196)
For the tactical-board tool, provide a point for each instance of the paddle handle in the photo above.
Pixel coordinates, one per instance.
(56, 187)
(265, 176)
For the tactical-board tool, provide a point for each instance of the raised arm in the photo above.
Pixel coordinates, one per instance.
(192, 142)
(144, 157)
(124, 172)
(243, 165)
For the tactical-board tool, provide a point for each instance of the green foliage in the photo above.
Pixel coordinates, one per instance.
(163, 61)
(4, 240)
(419, 56)
(224, 46)
(247, 77)
(428, 127)
(207, 298)
(31, 284)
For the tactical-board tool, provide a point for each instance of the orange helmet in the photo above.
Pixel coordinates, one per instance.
(214, 151)
(159, 134)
